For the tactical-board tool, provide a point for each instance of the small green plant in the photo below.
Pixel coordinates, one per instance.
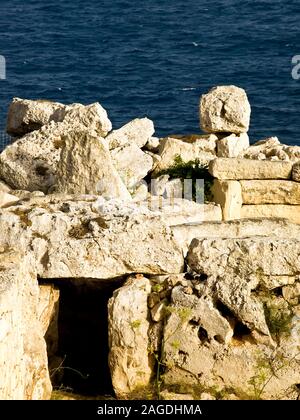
(157, 288)
(278, 319)
(175, 344)
(136, 323)
(267, 368)
(194, 169)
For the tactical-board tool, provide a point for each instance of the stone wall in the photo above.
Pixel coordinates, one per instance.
(256, 189)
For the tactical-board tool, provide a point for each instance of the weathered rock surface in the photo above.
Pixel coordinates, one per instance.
(23, 356)
(232, 146)
(270, 192)
(226, 168)
(281, 228)
(175, 211)
(296, 172)
(225, 109)
(7, 199)
(138, 131)
(85, 167)
(229, 195)
(152, 145)
(4, 187)
(30, 162)
(272, 149)
(189, 149)
(234, 269)
(283, 211)
(25, 115)
(129, 361)
(94, 117)
(98, 239)
(131, 163)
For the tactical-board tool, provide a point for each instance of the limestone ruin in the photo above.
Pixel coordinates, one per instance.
(112, 275)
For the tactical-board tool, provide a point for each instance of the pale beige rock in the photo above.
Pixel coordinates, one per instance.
(130, 364)
(131, 163)
(137, 131)
(25, 115)
(23, 356)
(270, 192)
(48, 301)
(172, 396)
(235, 271)
(229, 195)
(207, 143)
(94, 117)
(98, 239)
(185, 233)
(225, 109)
(85, 167)
(261, 147)
(293, 152)
(291, 213)
(281, 256)
(226, 168)
(4, 187)
(158, 312)
(232, 146)
(296, 172)
(140, 192)
(205, 396)
(175, 211)
(152, 145)
(7, 200)
(189, 150)
(30, 162)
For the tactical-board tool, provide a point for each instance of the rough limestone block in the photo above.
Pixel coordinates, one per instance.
(296, 172)
(270, 192)
(226, 168)
(128, 323)
(137, 131)
(201, 148)
(7, 199)
(131, 163)
(225, 109)
(229, 195)
(23, 354)
(233, 145)
(281, 228)
(25, 115)
(86, 167)
(289, 212)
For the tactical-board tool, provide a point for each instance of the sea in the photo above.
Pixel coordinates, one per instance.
(155, 58)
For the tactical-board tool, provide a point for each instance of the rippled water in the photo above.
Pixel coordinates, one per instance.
(155, 58)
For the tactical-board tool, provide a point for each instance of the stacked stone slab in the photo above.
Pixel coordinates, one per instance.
(225, 112)
(256, 188)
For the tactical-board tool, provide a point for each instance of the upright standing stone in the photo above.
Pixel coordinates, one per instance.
(229, 195)
(85, 167)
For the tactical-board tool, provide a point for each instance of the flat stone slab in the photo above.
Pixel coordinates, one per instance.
(270, 192)
(228, 168)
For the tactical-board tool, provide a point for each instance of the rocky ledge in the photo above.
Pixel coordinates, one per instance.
(115, 278)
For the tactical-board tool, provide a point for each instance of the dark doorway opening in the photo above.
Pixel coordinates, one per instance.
(81, 359)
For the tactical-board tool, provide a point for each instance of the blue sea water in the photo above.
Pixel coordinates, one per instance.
(155, 58)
